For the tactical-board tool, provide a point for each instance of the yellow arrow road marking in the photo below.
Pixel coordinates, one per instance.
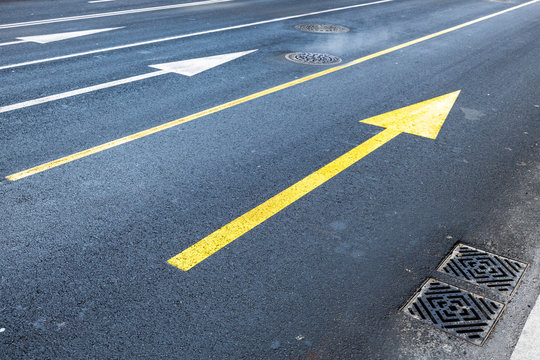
(111, 144)
(422, 119)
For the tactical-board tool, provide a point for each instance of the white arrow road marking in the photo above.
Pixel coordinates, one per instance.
(195, 66)
(99, 1)
(45, 39)
(112, 13)
(177, 37)
(186, 67)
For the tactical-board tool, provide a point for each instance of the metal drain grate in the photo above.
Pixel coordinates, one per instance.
(322, 28)
(310, 58)
(456, 311)
(484, 269)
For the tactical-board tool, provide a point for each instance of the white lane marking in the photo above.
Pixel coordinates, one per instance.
(85, 90)
(44, 39)
(99, 1)
(12, 43)
(188, 35)
(527, 347)
(112, 13)
(186, 67)
(195, 66)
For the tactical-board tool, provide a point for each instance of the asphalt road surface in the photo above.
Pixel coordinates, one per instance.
(104, 186)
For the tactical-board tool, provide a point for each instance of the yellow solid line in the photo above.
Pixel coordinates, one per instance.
(236, 228)
(141, 134)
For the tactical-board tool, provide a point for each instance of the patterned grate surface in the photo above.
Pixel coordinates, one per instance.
(458, 312)
(484, 269)
(322, 28)
(310, 58)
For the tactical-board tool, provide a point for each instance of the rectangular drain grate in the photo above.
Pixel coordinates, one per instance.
(484, 269)
(456, 311)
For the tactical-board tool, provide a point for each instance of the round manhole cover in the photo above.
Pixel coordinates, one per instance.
(310, 58)
(322, 28)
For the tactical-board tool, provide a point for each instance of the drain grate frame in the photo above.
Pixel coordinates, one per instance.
(310, 58)
(455, 311)
(484, 269)
(322, 28)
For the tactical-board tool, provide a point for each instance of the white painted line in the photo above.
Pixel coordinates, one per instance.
(185, 67)
(112, 13)
(528, 346)
(196, 66)
(85, 90)
(99, 1)
(45, 39)
(126, 46)
(12, 43)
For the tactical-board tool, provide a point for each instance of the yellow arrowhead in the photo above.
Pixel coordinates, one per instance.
(423, 119)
